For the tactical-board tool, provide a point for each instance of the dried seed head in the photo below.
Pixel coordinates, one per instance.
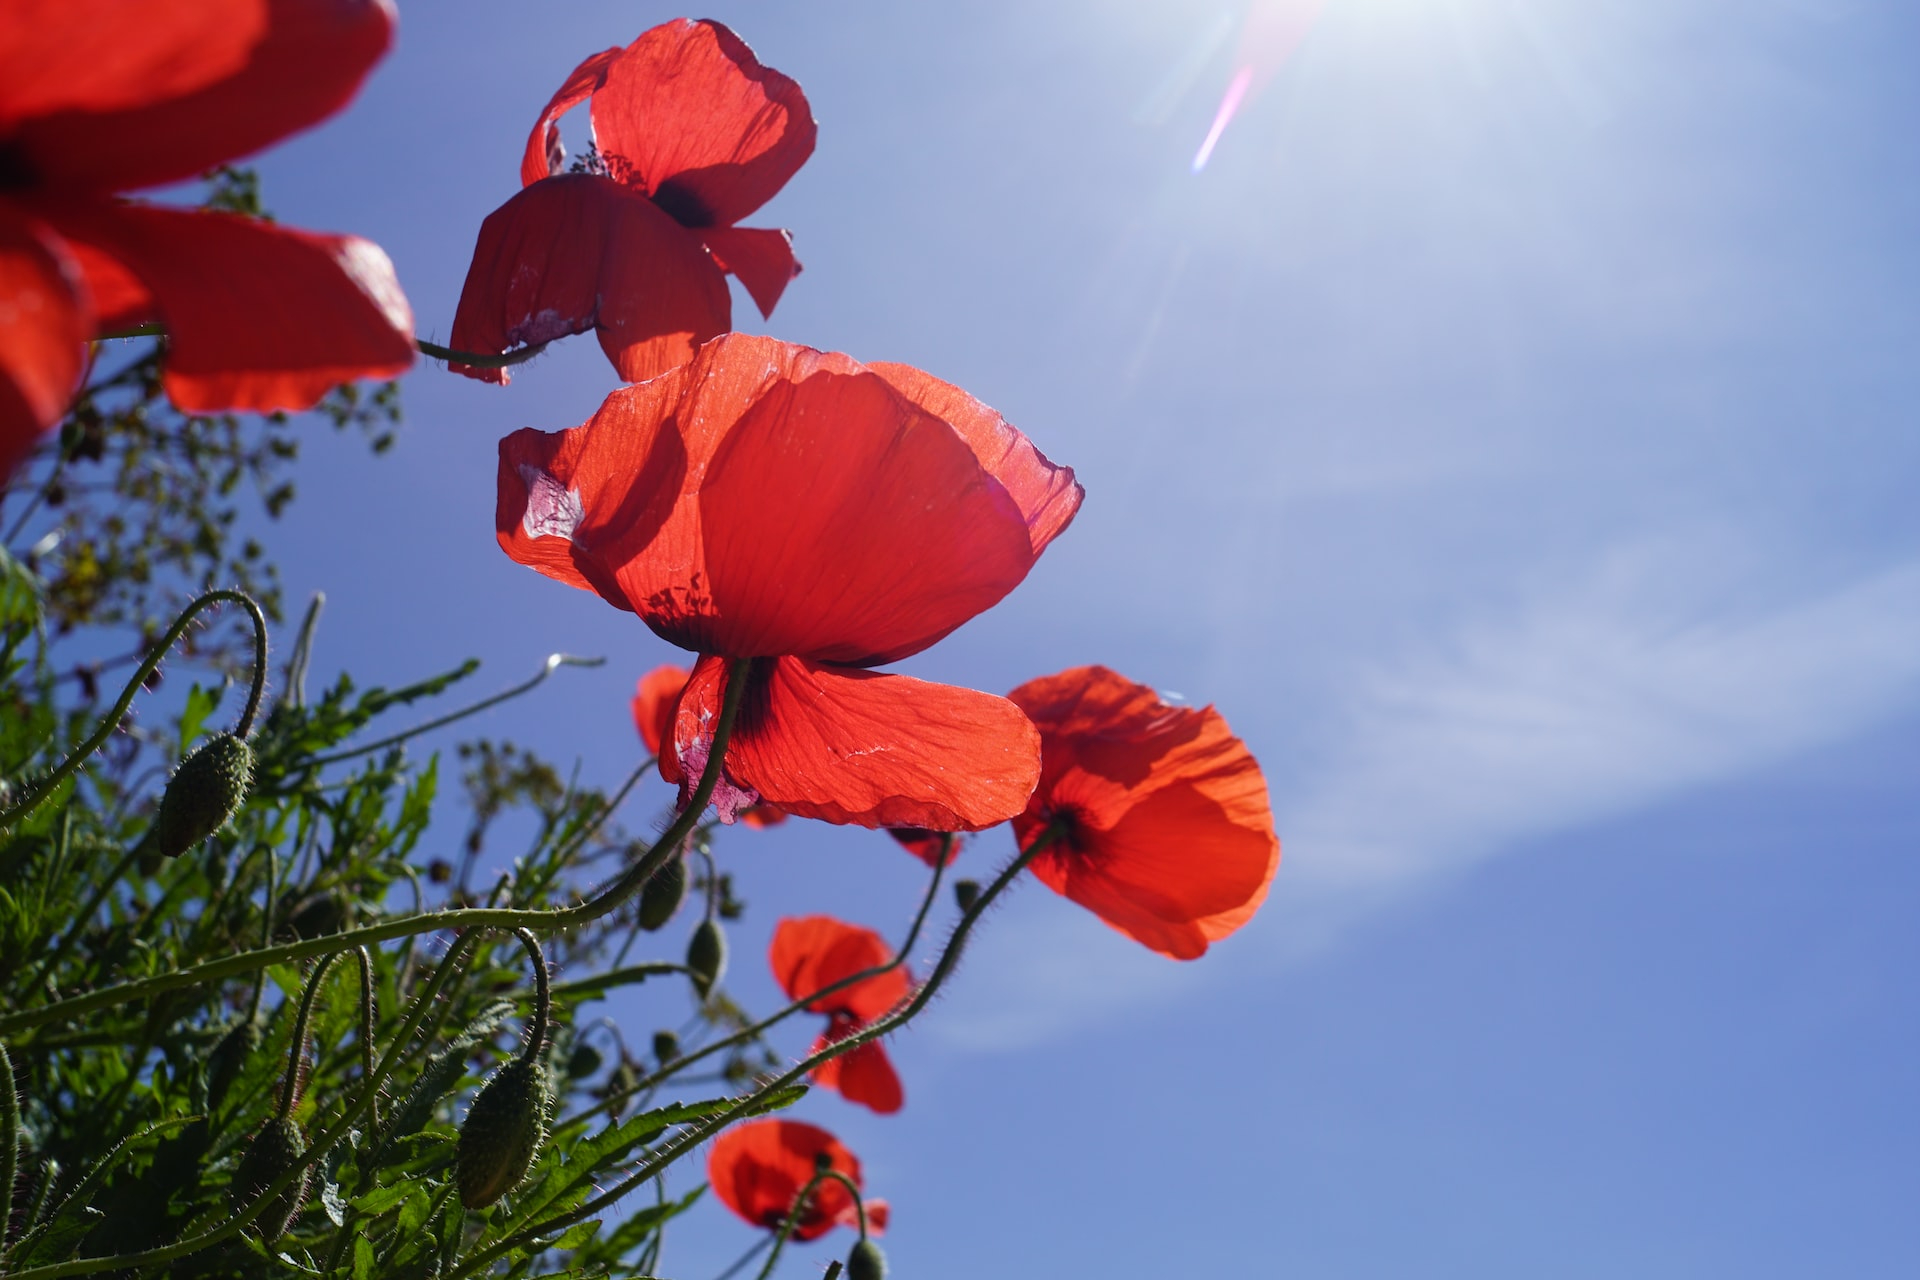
(503, 1131)
(707, 957)
(664, 892)
(274, 1150)
(204, 792)
(866, 1262)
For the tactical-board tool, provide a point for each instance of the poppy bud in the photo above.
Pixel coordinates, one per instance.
(204, 792)
(583, 1061)
(620, 1083)
(502, 1132)
(274, 1150)
(966, 893)
(707, 957)
(866, 1262)
(228, 1056)
(440, 871)
(666, 1046)
(317, 915)
(664, 892)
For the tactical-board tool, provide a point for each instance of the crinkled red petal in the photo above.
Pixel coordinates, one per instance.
(579, 252)
(44, 327)
(545, 157)
(259, 316)
(762, 260)
(810, 953)
(689, 115)
(308, 64)
(653, 700)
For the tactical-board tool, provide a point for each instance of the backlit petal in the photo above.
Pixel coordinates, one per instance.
(580, 252)
(864, 1075)
(545, 157)
(926, 845)
(308, 65)
(863, 748)
(44, 328)
(259, 316)
(761, 259)
(810, 953)
(653, 700)
(759, 1168)
(689, 115)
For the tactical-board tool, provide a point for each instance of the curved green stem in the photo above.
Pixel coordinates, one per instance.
(542, 997)
(9, 1144)
(303, 651)
(465, 918)
(800, 1208)
(475, 358)
(48, 785)
(297, 1051)
(553, 663)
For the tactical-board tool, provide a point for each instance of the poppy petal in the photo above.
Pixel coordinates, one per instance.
(761, 259)
(568, 503)
(761, 816)
(689, 115)
(104, 55)
(864, 1075)
(863, 748)
(1047, 494)
(545, 157)
(579, 252)
(44, 329)
(653, 701)
(120, 299)
(758, 1169)
(260, 317)
(926, 845)
(844, 524)
(308, 64)
(811, 953)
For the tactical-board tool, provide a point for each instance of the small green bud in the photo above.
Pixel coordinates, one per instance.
(666, 1046)
(619, 1085)
(502, 1132)
(866, 1262)
(273, 1151)
(966, 893)
(663, 894)
(583, 1061)
(204, 792)
(228, 1056)
(707, 957)
(318, 914)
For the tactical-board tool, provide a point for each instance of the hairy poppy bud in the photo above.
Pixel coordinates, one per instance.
(273, 1151)
(583, 1061)
(866, 1262)
(707, 957)
(502, 1132)
(317, 915)
(663, 893)
(666, 1046)
(204, 792)
(620, 1083)
(966, 893)
(228, 1056)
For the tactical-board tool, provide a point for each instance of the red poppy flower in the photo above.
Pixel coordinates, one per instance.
(772, 502)
(104, 96)
(926, 845)
(813, 952)
(693, 134)
(759, 1168)
(1168, 835)
(653, 702)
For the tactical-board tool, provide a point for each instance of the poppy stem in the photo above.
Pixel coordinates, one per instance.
(542, 996)
(475, 358)
(297, 1051)
(465, 919)
(800, 1207)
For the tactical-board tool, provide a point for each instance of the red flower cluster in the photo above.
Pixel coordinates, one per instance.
(692, 135)
(116, 95)
(812, 953)
(759, 1169)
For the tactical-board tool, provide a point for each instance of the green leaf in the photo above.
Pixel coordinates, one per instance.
(578, 1234)
(381, 1199)
(362, 1258)
(19, 593)
(201, 703)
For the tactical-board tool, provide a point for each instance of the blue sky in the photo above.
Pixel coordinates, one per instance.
(1510, 430)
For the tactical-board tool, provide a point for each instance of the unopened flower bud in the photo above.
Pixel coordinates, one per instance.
(502, 1132)
(204, 792)
(583, 1061)
(664, 892)
(274, 1150)
(666, 1046)
(866, 1262)
(966, 893)
(707, 957)
(318, 914)
(620, 1084)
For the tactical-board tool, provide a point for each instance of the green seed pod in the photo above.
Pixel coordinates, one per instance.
(502, 1132)
(273, 1151)
(866, 1262)
(707, 957)
(204, 792)
(966, 893)
(666, 1046)
(583, 1061)
(228, 1056)
(664, 892)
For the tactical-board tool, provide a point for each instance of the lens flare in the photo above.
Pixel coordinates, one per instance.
(1272, 31)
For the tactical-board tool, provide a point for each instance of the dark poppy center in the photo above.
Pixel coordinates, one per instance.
(686, 208)
(17, 172)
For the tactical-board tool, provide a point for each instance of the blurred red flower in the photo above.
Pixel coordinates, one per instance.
(104, 96)
(653, 702)
(819, 516)
(1168, 835)
(759, 1168)
(813, 952)
(692, 135)
(925, 845)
